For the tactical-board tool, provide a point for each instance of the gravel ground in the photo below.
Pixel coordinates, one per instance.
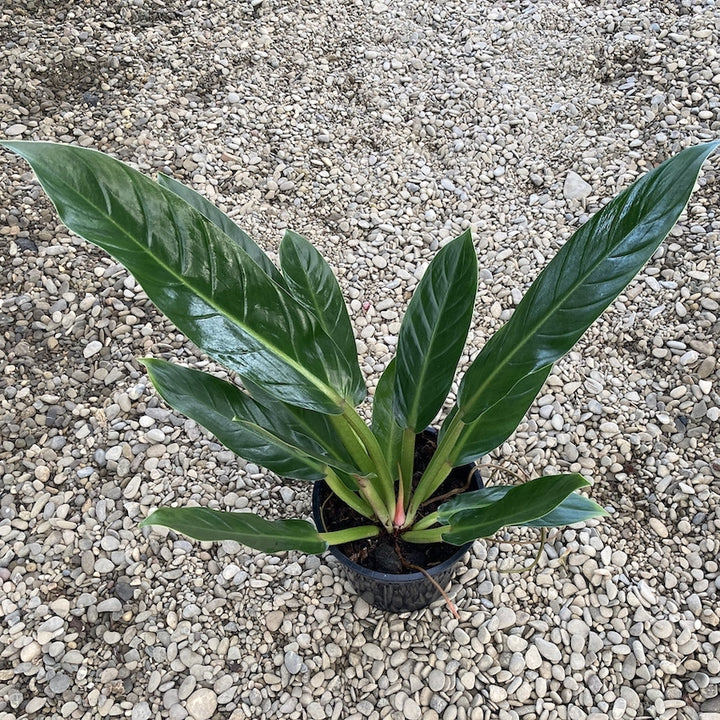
(378, 130)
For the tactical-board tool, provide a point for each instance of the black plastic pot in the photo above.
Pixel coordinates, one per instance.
(389, 591)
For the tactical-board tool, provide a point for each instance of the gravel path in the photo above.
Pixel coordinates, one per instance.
(378, 130)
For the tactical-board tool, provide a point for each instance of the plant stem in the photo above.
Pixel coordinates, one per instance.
(338, 537)
(383, 482)
(375, 501)
(348, 496)
(427, 522)
(438, 468)
(425, 536)
(407, 457)
(352, 443)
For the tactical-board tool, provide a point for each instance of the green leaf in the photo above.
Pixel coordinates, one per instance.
(575, 508)
(490, 429)
(433, 332)
(205, 283)
(311, 281)
(586, 275)
(270, 436)
(384, 426)
(246, 528)
(470, 516)
(218, 218)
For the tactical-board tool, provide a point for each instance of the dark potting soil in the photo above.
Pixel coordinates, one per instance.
(389, 553)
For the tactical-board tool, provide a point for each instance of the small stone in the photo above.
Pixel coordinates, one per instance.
(662, 629)
(59, 683)
(436, 680)
(505, 617)
(411, 709)
(15, 130)
(92, 348)
(141, 711)
(575, 187)
(293, 662)
(60, 607)
(532, 658)
(373, 651)
(274, 620)
(379, 261)
(201, 704)
(109, 605)
(659, 528)
(548, 650)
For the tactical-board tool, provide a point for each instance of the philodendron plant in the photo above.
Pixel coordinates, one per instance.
(285, 333)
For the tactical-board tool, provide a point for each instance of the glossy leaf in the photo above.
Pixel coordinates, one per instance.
(204, 282)
(490, 429)
(218, 218)
(520, 505)
(248, 529)
(586, 275)
(384, 425)
(575, 508)
(433, 333)
(269, 435)
(311, 281)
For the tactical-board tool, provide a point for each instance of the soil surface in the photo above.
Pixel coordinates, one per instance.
(389, 553)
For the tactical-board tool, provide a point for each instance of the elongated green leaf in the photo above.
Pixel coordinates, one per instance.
(586, 275)
(433, 332)
(311, 281)
(497, 423)
(218, 218)
(203, 281)
(246, 528)
(520, 505)
(575, 508)
(269, 436)
(384, 425)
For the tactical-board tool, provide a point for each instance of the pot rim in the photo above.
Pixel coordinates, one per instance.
(397, 578)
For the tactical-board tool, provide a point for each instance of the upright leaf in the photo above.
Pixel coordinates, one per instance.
(520, 505)
(433, 332)
(269, 435)
(218, 218)
(311, 281)
(248, 529)
(384, 425)
(496, 424)
(586, 275)
(205, 283)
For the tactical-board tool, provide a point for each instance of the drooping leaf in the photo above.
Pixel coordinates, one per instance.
(433, 332)
(586, 275)
(218, 218)
(384, 425)
(575, 508)
(204, 282)
(520, 505)
(269, 436)
(311, 281)
(496, 424)
(248, 529)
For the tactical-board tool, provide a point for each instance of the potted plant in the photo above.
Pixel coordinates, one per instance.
(395, 497)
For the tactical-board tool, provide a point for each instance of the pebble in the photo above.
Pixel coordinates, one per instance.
(575, 187)
(201, 705)
(548, 650)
